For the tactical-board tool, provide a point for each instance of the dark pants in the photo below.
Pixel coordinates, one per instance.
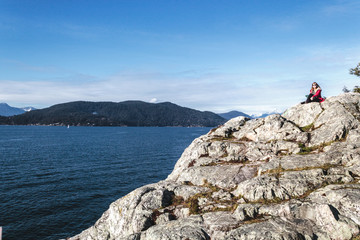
(309, 99)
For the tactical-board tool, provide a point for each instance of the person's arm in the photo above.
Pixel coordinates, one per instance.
(317, 93)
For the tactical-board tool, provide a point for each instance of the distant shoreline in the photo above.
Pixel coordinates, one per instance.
(51, 125)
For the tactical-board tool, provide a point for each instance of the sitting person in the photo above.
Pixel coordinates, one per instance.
(315, 94)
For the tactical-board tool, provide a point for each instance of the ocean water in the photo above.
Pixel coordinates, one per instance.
(57, 181)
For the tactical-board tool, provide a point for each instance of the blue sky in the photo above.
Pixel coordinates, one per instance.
(251, 56)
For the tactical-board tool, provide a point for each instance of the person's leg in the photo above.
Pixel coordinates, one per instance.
(309, 98)
(316, 99)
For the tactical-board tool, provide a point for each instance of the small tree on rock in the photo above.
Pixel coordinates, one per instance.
(356, 89)
(355, 71)
(345, 89)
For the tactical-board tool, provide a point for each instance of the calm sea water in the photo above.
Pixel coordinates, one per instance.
(56, 182)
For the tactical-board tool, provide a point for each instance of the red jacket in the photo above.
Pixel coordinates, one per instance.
(318, 95)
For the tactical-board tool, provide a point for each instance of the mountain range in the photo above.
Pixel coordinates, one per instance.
(233, 114)
(6, 110)
(128, 113)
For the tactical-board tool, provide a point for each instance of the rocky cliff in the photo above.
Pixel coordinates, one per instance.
(289, 176)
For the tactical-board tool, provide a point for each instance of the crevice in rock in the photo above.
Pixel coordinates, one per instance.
(192, 163)
(354, 175)
(318, 148)
(206, 235)
(335, 212)
(312, 188)
(222, 139)
(214, 204)
(242, 161)
(310, 127)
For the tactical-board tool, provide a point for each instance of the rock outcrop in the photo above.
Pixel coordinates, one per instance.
(289, 176)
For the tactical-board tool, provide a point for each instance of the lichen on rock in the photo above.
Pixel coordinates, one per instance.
(289, 176)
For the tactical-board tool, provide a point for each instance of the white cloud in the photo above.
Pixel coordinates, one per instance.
(278, 85)
(341, 7)
(153, 100)
(218, 93)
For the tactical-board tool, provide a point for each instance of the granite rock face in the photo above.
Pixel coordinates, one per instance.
(289, 176)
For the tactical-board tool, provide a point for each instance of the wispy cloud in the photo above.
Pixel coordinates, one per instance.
(213, 92)
(341, 7)
(277, 84)
(22, 66)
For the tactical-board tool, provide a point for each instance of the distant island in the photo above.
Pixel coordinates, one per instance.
(128, 113)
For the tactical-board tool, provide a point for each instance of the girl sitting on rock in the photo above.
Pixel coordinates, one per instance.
(315, 94)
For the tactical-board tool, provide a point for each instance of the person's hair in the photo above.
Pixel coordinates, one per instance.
(317, 85)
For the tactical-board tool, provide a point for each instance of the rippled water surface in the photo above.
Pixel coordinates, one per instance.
(57, 181)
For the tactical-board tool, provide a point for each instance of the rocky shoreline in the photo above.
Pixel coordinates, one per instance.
(289, 176)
